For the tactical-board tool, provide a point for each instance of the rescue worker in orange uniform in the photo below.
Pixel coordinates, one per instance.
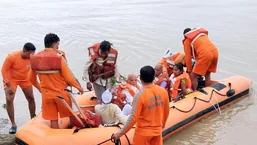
(170, 59)
(101, 69)
(161, 79)
(181, 83)
(15, 71)
(198, 45)
(150, 112)
(54, 75)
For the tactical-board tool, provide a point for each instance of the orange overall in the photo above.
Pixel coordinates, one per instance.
(150, 111)
(53, 84)
(198, 45)
(15, 70)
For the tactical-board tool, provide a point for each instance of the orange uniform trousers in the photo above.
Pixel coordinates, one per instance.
(206, 62)
(22, 84)
(52, 105)
(147, 140)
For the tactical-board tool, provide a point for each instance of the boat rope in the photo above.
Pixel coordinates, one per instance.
(218, 110)
(116, 142)
(206, 101)
(125, 135)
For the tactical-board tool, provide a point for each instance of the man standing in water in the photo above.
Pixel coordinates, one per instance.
(15, 72)
(101, 68)
(150, 111)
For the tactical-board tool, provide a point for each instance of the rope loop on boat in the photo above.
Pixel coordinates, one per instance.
(116, 142)
(117, 125)
(185, 111)
(206, 101)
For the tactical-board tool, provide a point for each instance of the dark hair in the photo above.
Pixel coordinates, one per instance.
(147, 74)
(105, 46)
(29, 47)
(179, 66)
(50, 39)
(186, 30)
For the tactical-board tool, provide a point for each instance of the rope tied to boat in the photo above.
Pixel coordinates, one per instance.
(116, 142)
(230, 93)
(218, 110)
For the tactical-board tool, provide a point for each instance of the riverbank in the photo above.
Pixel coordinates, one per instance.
(7, 139)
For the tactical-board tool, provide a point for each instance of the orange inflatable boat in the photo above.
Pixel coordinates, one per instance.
(183, 113)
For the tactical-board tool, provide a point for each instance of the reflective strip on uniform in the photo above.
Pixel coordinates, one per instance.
(91, 51)
(111, 55)
(48, 72)
(192, 43)
(110, 61)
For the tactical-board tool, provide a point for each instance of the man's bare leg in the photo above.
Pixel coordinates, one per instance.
(28, 92)
(193, 77)
(54, 124)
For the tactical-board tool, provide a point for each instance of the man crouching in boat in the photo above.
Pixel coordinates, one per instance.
(54, 76)
(181, 83)
(162, 79)
(150, 111)
(129, 88)
(109, 112)
(101, 68)
(123, 101)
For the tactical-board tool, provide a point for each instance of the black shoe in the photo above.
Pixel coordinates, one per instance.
(34, 115)
(13, 130)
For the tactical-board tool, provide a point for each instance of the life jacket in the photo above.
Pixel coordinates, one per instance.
(176, 84)
(128, 87)
(163, 77)
(107, 69)
(47, 61)
(169, 61)
(93, 119)
(119, 100)
(193, 35)
(63, 54)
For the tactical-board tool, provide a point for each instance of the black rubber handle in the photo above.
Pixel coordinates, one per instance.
(67, 90)
(61, 97)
